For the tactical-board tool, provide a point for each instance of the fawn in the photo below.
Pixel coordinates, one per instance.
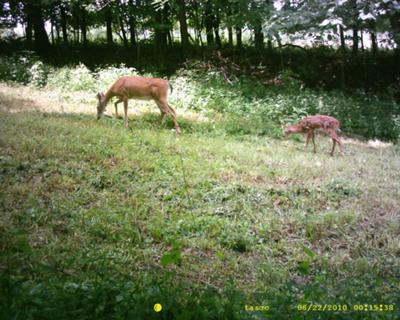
(311, 123)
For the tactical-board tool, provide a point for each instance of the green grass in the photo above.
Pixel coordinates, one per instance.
(102, 222)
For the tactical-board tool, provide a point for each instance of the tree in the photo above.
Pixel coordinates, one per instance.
(35, 16)
(183, 27)
(209, 22)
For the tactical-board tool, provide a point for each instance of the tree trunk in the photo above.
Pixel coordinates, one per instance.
(41, 43)
(124, 38)
(373, 42)
(395, 32)
(29, 31)
(110, 39)
(342, 40)
(132, 25)
(209, 22)
(230, 37)
(159, 34)
(52, 31)
(354, 12)
(183, 24)
(278, 39)
(132, 32)
(64, 24)
(58, 33)
(258, 36)
(83, 26)
(217, 21)
(269, 44)
(170, 41)
(342, 60)
(167, 28)
(239, 44)
(355, 39)
(362, 40)
(199, 37)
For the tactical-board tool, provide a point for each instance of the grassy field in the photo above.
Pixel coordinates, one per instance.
(102, 222)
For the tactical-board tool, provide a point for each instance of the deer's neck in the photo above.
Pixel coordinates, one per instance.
(107, 98)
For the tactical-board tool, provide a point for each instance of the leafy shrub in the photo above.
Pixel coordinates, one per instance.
(106, 76)
(73, 79)
(38, 74)
(24, 67)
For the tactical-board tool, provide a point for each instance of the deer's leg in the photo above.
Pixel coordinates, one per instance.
(116, 108)
(164, 106)
(160, 120)
(173, 115)
(126, 112)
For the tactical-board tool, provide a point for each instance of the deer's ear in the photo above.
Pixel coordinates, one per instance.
(98, 95)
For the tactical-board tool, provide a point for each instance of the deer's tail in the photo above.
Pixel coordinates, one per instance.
(170, 87)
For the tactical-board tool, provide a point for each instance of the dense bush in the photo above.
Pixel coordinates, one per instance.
(24, 67)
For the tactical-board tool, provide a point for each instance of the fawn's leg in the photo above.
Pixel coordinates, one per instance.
(335, 139)
(313, 141)
(309, 133)
(126, 111)
(333, 147)
(340, 145)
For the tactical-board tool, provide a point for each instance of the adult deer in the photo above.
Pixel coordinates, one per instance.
(140, 88)
(311, 123)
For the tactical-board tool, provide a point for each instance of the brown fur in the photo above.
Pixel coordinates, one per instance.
(142, 88)
(318, 122)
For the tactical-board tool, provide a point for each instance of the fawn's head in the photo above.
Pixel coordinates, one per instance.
(100, 104)
(288, 130)
(293, 128)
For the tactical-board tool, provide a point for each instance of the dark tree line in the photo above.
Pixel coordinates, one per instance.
(207, 23)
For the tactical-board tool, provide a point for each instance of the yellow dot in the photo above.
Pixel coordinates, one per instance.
(157, 307)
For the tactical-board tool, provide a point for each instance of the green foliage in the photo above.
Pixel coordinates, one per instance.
(173, 256)
(24, 67)
(73, 79)
(342, 188)
(106, 76)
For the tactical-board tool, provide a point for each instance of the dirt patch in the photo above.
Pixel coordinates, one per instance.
(24, 98)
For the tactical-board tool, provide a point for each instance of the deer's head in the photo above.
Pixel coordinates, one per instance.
(100, 104)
